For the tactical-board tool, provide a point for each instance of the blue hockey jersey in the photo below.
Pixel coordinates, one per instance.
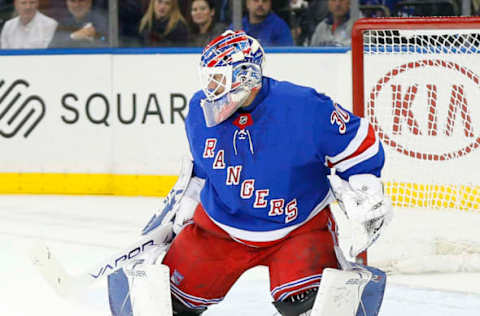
(265, 167)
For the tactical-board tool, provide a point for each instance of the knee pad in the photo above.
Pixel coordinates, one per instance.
(298, 304)
(181, 310)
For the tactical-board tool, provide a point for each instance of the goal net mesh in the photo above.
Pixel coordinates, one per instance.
(420, 89)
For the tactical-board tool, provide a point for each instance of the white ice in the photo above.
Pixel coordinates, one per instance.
(84, 229)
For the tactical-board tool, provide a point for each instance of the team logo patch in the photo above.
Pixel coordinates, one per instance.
(176, 277)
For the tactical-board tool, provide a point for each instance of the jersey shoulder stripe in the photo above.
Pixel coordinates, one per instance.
(363, 145)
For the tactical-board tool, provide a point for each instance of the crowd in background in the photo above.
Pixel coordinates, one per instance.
(193, 23)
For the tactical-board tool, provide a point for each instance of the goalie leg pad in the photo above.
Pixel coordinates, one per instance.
(358, 291)
(119, 285)
(372, 296)
(297, 305)
(119, 294)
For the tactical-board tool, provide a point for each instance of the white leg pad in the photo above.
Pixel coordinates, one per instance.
(150, 290)
(340, 292)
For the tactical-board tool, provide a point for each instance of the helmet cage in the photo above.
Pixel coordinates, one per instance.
(216, 81)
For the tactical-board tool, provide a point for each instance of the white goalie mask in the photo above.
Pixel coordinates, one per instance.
(230, 69)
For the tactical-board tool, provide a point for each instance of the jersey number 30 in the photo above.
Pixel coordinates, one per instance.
(340, 117)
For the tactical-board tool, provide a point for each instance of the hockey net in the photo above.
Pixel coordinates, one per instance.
(417, 80)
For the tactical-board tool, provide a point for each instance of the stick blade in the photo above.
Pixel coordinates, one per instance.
(51, 270)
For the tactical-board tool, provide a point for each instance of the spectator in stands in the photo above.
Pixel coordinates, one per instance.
(30, 29)
(336, 28)
(266, 26)
(164, 25)
(82, 27)
(56, 9)
(203, 25)
(306, 16)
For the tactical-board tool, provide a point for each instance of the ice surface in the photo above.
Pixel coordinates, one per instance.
(84, 229)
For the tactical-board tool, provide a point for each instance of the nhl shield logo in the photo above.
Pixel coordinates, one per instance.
(243, 120)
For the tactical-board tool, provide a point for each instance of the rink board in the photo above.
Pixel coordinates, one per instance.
(100, 122)
(112, 121)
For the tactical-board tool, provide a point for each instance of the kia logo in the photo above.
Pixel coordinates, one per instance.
(20, 113)
(427, 109)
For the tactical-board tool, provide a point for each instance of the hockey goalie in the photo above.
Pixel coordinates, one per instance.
(267, 159)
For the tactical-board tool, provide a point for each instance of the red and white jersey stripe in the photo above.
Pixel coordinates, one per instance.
(363, 146)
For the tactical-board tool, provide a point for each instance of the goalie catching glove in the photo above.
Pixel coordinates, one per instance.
(363, 201)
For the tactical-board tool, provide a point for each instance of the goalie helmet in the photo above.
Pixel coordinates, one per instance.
(230, 69)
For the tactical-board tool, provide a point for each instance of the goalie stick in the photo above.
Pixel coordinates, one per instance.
(157, 233)
(67, 285)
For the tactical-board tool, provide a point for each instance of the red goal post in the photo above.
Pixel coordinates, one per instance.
(416, 80)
